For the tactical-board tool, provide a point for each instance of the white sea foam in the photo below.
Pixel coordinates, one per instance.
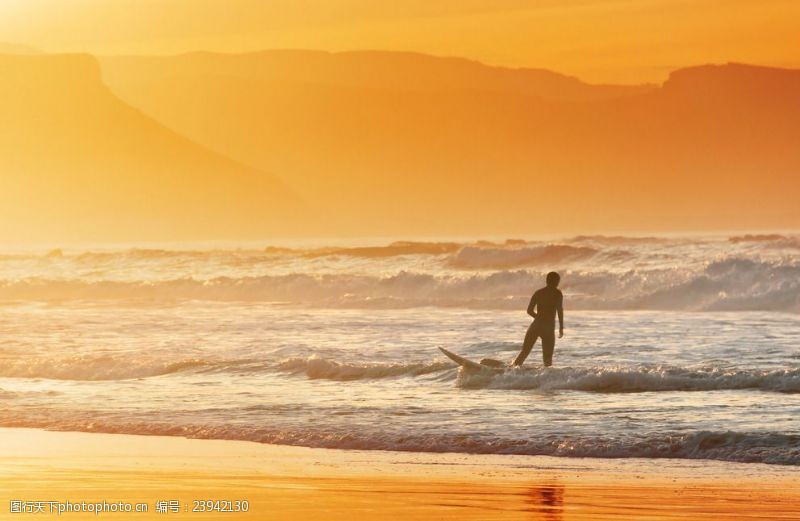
(634, 379)
(96, 368)
(320, 368)
(334, 346)
(729, 284)
(597, 379)
(754, 272)
(472, 257)
(745, 447)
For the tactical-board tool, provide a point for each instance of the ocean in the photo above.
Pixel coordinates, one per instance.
(675, 347)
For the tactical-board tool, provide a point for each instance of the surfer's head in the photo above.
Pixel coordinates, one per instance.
(553, 279)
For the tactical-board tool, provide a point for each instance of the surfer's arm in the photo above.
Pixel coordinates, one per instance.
(560, 311)
(532, 305)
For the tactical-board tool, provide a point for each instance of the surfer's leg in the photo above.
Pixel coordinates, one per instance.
(527, 345)
(548, 346)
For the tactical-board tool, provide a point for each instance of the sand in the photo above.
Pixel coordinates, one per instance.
(294, 483)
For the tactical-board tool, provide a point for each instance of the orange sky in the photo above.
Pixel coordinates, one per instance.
(600, 41)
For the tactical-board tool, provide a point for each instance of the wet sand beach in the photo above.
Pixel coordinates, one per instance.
(283, 483)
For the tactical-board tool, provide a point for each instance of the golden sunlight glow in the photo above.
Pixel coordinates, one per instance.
(106, 133)
(601, 41)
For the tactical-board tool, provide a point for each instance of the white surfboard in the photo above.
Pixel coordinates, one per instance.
(469, 364)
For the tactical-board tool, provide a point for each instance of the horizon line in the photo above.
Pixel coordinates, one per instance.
(444, 57)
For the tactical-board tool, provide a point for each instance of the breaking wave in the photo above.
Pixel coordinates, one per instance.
(732, 284)
(769, 240)
(99, 368)
(95, 368)
(620, 379)
(395, 249)
(472, 257)
(634, 379)
(320, 368)
(589, 379)
(745, 447)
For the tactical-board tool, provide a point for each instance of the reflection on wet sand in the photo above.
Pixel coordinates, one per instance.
(289, 483)
(546, 502)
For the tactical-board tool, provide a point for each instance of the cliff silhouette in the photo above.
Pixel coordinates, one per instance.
(78, 163)
(400, 142)
(303, 143)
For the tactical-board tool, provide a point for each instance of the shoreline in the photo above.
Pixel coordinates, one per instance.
(288, 482)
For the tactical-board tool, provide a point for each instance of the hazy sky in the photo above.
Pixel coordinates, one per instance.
(600, 41)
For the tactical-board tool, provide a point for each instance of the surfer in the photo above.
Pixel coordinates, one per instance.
(547, 302)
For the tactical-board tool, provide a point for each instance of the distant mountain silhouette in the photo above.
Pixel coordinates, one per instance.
(80, 164)
(366, 69)
(407, 143)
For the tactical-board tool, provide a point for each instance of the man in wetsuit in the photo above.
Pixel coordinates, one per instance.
(548, 301)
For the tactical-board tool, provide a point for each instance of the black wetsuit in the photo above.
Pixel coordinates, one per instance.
(548, 301)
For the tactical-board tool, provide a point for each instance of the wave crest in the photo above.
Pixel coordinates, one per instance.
(745, 447)
(96, 368)
(633, 379)
(321, 368)
(473, 257)
(731, 284)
